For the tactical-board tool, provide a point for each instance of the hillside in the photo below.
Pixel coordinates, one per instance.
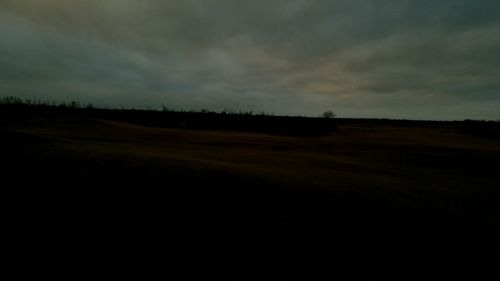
(366, 194)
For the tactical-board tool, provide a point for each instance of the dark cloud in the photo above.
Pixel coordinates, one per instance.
(385, 58)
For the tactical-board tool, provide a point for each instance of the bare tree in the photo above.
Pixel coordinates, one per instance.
(329, 114)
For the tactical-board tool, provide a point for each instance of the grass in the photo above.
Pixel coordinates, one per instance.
(367, 195)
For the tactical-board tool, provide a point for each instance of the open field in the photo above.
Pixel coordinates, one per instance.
(366, 195)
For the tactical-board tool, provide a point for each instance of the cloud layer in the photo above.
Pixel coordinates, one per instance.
(362, 58)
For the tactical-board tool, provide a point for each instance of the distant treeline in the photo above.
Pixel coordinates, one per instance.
(248, 121)
(14, 107)
(481, 128)
(415, 123)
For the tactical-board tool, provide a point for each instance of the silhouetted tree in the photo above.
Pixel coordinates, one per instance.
(329, 114)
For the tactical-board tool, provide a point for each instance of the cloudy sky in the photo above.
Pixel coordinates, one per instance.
(421, 59)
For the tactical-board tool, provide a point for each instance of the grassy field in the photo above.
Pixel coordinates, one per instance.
(368, 194)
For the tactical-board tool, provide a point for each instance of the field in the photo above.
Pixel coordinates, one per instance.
(371, 193)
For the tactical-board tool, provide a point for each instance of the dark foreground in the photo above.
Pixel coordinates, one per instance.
(383, 198)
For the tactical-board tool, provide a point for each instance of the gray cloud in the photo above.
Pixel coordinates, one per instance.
(401, 59)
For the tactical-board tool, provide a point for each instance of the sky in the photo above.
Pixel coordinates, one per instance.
(411, 59)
